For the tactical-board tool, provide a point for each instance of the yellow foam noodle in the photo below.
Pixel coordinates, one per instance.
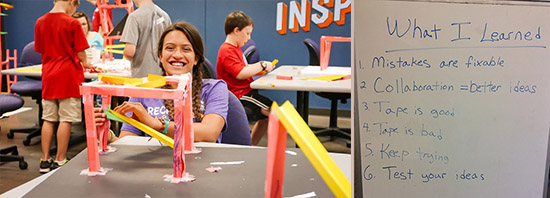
(28, 69)
(7, 6)
(314, 150)
(116, 46)
(274, 62)
(154, 81)
(118, 80)
(115, 51)
(326, 78)
(146, 129)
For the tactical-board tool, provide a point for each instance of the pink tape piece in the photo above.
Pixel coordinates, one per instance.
(109, 149)
(213, 169)
(186, 178)
(101, 171)
(194, 151)
(326, 43)
(275, 165)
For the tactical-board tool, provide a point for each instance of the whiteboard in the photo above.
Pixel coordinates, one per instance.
(451, 99)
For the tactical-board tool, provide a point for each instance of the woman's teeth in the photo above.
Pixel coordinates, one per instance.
(177, 64)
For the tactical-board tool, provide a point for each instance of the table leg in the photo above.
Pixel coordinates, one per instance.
(299, 102)
(305, 111)
(302, 104)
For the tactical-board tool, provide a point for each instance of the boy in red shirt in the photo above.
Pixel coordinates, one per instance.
(61, 41)
(237, 73)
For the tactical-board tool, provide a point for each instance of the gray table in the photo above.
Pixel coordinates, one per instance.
(303, 87)
(87, 75)
(139, 166)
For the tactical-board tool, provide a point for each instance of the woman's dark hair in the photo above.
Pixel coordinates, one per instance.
(237, 19)
(79, 14)
(195, 39)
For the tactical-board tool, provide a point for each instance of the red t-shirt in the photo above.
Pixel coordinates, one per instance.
(58, 37)
(230, 62)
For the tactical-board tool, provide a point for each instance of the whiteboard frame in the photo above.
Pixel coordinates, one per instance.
(357, 187)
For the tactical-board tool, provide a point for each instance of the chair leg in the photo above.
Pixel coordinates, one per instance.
(32, 131)
(37, 132)
(9, 150)
(10, 154)
(333, 131)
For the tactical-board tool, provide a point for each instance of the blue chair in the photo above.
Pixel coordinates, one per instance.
(249, 55)
(237, 130)
(250, 51)
(8, 103)
(32, 88)
(208, 70)
(332, 130)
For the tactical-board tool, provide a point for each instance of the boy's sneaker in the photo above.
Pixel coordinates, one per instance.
(57, 164)
(45, 165)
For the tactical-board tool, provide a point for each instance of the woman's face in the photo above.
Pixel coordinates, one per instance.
(177, 56)
(84, 24)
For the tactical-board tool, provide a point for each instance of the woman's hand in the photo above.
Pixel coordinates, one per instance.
(139, 113)
(99, 117)
(137, 109)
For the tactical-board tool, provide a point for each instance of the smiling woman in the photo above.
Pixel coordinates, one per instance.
(181, 50)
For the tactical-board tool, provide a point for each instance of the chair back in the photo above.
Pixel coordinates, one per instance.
(313, 49)
(254, 56)
(249, 54)
(29, 56)
(208, 72)
(237, 130)
(9, 102)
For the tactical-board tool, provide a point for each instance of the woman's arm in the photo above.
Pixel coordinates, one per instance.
(206, 131)
(209, 129)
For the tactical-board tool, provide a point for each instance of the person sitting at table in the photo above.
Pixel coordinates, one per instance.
(180, 50)
(232, 67)
(95, 40)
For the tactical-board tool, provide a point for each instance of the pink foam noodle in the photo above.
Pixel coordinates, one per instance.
(91, 130)
(326, 43)
(275, 167)
(179, 143)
